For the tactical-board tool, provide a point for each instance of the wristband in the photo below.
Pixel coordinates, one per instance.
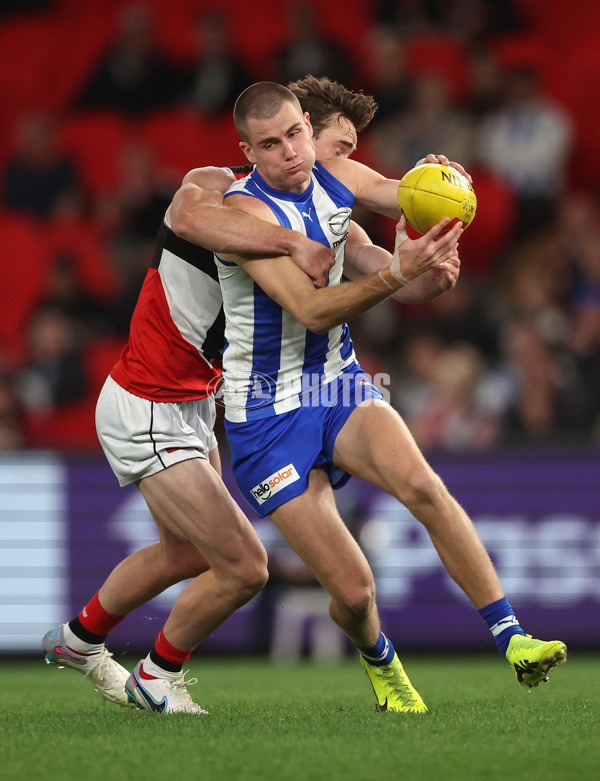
(385, 282)
(395, 270)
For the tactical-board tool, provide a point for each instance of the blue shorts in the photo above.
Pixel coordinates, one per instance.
(273, 456)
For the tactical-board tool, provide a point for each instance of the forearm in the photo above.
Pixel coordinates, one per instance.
(318, 309)
(223, 230)
(198, 215)
(368, 258)
(323, 309)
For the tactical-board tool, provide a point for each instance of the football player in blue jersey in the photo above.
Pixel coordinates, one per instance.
(290, 444)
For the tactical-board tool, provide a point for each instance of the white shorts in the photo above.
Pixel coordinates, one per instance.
(141, 437)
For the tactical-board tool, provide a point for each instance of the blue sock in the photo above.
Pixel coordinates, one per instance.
(381, 653)
(502, 622)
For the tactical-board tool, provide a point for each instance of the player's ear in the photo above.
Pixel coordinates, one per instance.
(247, 150)
(308, 124)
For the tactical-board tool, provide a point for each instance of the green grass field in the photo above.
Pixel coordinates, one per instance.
(308, 723)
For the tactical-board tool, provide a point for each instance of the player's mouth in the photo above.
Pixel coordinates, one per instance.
(295, 168)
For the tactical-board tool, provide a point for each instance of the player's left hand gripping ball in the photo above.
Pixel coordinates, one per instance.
(430, 192)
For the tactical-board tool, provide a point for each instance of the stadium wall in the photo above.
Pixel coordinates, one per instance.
(64, 522)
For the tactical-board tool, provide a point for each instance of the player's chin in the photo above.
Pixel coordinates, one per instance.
(299, 171)
(299, 177)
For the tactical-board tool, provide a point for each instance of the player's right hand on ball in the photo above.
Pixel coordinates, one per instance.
(412, 257)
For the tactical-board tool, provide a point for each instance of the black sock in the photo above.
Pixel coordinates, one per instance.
(159, 661)
(83, 634)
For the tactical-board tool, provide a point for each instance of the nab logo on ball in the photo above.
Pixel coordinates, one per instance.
(274, 483)
(430, 192)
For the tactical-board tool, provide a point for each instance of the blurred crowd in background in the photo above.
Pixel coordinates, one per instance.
(104, 105)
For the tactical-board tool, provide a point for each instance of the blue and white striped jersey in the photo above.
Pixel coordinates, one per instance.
(271, 362)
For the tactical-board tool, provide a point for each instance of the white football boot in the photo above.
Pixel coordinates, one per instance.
(161, 695)
(107, 676)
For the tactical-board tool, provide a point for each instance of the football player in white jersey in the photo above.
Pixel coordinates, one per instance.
(155, 418)
(290, 444)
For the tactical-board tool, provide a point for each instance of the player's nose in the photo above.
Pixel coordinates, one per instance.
(289, 150)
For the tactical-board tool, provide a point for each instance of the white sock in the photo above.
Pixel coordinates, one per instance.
(77, 644)
(150, 668)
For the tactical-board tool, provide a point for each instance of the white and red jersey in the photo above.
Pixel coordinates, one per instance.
(177, 329)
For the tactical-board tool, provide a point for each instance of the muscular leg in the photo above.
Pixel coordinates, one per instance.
(202, 530)
(191, 501)
(148, 572)
(376, 445)
(312, 526)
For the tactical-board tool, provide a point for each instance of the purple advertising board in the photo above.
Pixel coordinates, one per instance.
(538, 513)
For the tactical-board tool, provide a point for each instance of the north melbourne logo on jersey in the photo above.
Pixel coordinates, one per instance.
(274, 483)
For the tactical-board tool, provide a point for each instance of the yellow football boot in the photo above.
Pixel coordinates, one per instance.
(532, 659)
(393, 690)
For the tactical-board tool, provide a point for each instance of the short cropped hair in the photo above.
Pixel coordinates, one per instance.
(262, 100)
(327, 100)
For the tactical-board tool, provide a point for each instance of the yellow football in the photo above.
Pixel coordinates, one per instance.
(430, 192)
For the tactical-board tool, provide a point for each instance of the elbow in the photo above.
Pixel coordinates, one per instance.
(312, 313)
(318, 327)
(186, 225)
(179, 226)
(314, 323)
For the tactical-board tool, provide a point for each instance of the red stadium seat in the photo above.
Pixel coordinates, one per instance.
(439, 54)
(27, 49)
(523, 51)
(177, 138)
(95, 140)
(25, 266)
(182, 140)
(100, 357)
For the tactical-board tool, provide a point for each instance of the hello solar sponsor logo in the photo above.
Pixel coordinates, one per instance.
(274, 483)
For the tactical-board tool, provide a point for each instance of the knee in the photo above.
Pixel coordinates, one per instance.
(423, 488)
(358, 599)
(252, 575)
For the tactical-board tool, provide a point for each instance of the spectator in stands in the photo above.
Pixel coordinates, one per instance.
(131, 214)
(134, 76)
(39, 179)
(419, 356)
(467, 19)
(385, 69)
(308, 50)
(527, 143)
(218, 76)
(65, 292)
(452, 413)
(143, 192)
(545, 399)
(578, 240)
(54, 373)
(404, 15)
(474, 20)
(547, 313)
(485, 87)
(432, 122)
